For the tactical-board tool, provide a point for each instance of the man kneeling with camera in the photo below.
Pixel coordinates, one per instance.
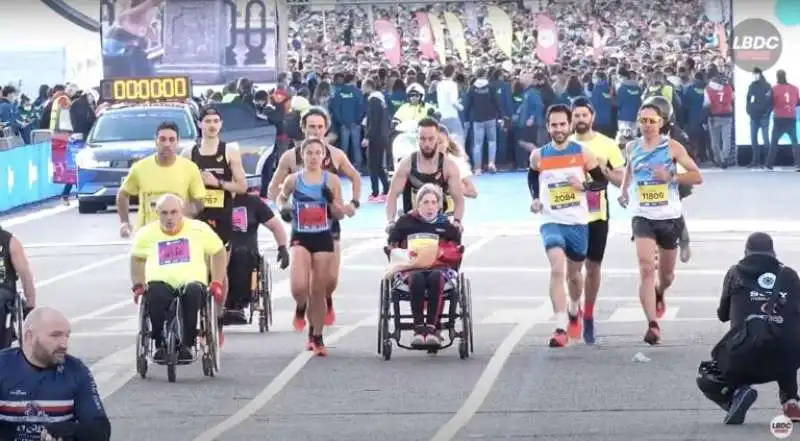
(761, 300)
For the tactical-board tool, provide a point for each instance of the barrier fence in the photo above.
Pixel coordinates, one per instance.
(26, 175)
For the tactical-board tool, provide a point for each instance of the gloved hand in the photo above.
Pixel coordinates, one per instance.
(286, 213)
(215, 289)
(138, 291)
(283, 257)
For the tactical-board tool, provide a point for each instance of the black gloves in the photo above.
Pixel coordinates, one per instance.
(283, 257)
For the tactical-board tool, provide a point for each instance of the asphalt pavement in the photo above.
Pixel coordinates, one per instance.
(512, 387)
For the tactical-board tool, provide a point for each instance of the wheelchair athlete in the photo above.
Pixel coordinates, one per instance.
(249, 211)
(168, 259)
(14, 267)
(432, 245)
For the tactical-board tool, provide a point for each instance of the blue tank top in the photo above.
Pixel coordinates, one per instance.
(561, 204)
(309, 205)
(654, 199)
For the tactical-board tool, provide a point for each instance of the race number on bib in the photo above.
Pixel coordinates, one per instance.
(312, 217)
(652, 193)
(214, 199)
(594, 201)
(175, 251)
(239, 219)
(419, 241)
(562, 195)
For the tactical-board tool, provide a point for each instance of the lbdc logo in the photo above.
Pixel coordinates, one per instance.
(781, 427)
(756, 43)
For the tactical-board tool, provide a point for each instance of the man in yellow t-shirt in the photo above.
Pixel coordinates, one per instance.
(613, 165)
(161, 173)
(168, 257)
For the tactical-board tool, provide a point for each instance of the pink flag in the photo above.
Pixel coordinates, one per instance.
(547, 41)
(425, 36)
(390, 41)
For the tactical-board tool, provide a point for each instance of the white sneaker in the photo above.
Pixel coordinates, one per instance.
(418, 340)
(433, 340)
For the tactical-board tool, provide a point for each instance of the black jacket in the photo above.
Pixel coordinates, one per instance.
(377, 119)
(759, 99)
(748, 287)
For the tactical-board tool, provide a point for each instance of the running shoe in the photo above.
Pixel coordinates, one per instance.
(330, 316)
(743, 398)
(432, 338)
(418, 340)
(661, 306)
(791, 409)
(653, 334)
(589, 336)
(574, 325)
(310, 341)
(185, 355)
(299, 322)
(318, 346)
(559, 339)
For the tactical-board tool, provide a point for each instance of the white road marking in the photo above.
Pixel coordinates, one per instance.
(36, 215)
(609, 272)
(81, 270)
(636, 314)
(489, 376)
(275, 386)
(119, 368)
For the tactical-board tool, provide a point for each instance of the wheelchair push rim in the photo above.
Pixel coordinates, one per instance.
(143, 341)
(212, 323)
(265, 319)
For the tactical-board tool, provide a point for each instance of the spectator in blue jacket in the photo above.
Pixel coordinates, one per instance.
(629, 99)
(483, 110)
(347, 111)
(575, 90)
(397, 97)
(601, 98)
(9, 110)
(502, 89)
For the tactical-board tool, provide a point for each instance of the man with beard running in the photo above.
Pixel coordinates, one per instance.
(612, 164)
(315, 123)
(427, 165)
(558, 186)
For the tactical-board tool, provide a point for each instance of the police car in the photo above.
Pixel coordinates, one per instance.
(125, 133)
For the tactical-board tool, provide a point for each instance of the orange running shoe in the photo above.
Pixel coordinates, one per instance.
(661, 307)
(792, 410)
(299, 322)
(559, 339)
(330, 316)
(318, 346)
(653, 334)
(574, 327)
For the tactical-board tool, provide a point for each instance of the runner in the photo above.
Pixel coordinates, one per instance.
(315, 192)
(558, 175)
(448, 146)
(657, 212)
(613, 166)
(223, 174)
(315, 124)
(427, 165)
(160, 173)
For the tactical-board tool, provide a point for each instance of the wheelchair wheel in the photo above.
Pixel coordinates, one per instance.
(19, 310)
(265, 282)
(212, 337)
(384, 343)
(172, 353)
(465, 306)
(143, 340)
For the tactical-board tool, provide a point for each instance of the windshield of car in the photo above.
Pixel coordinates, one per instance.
(139, 125)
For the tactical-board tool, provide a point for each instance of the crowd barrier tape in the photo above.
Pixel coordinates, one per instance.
(26, 176)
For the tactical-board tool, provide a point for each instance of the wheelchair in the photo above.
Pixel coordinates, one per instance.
(207, 343)
(261, 294)
(15, 309)
(456, 317)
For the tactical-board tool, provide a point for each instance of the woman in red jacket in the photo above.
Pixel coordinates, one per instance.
(429, 247)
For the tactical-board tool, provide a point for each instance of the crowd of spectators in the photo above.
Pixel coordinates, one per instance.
(669, 47)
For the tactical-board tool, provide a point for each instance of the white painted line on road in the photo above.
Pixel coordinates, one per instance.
(276, 385)
(83, 269)
(611, 272)
(99, 312)
(635, 314)
(122, 363)
(489, 376)
(36, 215)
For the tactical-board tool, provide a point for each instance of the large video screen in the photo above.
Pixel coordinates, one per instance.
(213, 42)
(765, 32)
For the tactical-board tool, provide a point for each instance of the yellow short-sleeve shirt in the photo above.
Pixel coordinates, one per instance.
(608, 154)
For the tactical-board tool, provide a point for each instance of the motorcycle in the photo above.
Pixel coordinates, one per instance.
(405, 141)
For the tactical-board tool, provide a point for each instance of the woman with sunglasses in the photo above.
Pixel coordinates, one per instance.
(657, 221)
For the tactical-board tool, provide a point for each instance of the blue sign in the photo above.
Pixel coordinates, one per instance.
(26, 176)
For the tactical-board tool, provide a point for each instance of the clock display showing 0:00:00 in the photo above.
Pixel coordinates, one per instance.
(150, 88)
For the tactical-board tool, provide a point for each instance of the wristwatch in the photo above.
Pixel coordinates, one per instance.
(356, 203)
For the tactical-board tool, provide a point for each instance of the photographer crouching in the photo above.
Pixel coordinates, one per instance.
(761, 300)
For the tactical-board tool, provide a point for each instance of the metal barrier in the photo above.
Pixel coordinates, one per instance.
(41, 135)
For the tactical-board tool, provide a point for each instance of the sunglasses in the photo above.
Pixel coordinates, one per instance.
(649, 120)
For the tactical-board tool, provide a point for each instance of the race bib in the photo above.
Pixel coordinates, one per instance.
(312, 217)
(449, 202)
(594, 201)
(214, 199)
(562, 196)
(175, 251)
(239, 219)
(419, 241)
(652, 193)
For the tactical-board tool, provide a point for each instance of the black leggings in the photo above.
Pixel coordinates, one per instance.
(427, 286)
(375, 153)
(7, 297)
(159, 298)
(240, 272)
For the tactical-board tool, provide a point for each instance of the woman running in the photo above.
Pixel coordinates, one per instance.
(452, 150)
(315, 193)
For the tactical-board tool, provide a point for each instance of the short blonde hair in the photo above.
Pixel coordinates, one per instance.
(427, 189)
